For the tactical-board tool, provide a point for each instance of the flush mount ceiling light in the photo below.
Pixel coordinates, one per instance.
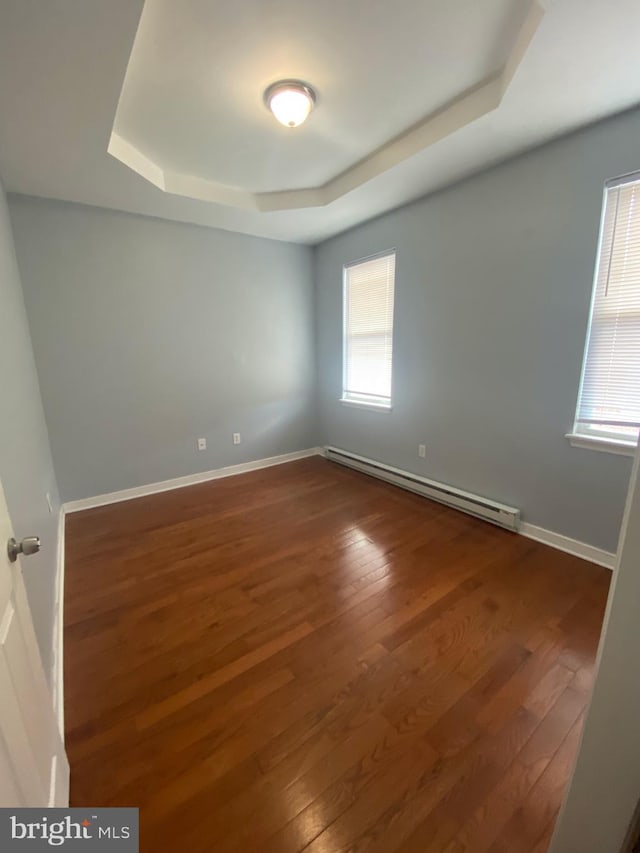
(290, 101)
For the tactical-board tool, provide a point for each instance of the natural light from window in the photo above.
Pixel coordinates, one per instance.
(609, 400)
(368, 331)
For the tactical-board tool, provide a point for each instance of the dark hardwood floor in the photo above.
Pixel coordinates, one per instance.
(303, 658)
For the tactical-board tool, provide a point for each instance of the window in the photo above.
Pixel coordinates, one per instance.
(368, 331)
(609, 399)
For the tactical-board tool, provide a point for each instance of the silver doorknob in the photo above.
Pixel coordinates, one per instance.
(27, 546)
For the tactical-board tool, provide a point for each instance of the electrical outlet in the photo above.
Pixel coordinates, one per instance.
(236, 438)
(49, 504)
(202, 444)
(422, 451)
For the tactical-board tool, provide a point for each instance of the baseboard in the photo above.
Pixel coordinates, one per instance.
(53, 773)
(570, 546)
(59, 781)
(531, 531)
(189, 480)
(57, 677)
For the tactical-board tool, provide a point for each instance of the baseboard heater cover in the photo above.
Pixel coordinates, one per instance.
(496, 513)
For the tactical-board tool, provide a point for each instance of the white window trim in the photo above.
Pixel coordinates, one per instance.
(352, 402)
(603, 445)
(577, 438)
(364, 404)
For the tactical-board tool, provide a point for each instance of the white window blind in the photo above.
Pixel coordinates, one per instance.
(609, 399)
(368, 330)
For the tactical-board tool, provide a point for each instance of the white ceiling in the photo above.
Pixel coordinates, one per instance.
(412, 95)
(192, 97)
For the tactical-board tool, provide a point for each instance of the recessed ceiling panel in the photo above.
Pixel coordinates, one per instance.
(63, 63)
(191, 102)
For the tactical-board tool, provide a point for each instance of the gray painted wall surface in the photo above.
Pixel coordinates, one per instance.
(148, 334)
(493, 287)
(26, 469)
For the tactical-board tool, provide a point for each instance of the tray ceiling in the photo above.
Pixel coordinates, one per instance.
(391, 79)
(411, 96)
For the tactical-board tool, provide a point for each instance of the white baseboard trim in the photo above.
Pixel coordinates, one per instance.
(570, 546)
(189, 480)
(53, 773)
(406, 480)
(59, 782)
(57, 678)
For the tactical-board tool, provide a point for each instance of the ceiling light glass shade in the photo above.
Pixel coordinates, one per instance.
(290, 101)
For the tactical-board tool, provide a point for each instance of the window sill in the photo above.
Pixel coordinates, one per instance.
(604, 445)
(357, 404)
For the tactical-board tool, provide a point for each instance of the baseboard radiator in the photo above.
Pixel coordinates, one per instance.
(496, 513)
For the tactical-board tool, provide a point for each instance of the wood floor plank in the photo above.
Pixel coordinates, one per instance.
(531, 820)
(304, 658)
(500, 803)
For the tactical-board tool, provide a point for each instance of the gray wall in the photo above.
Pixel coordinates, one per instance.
(493, 286)
(148, 334)
(26, 470)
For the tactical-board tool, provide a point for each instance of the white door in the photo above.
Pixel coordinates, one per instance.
(33, 766)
